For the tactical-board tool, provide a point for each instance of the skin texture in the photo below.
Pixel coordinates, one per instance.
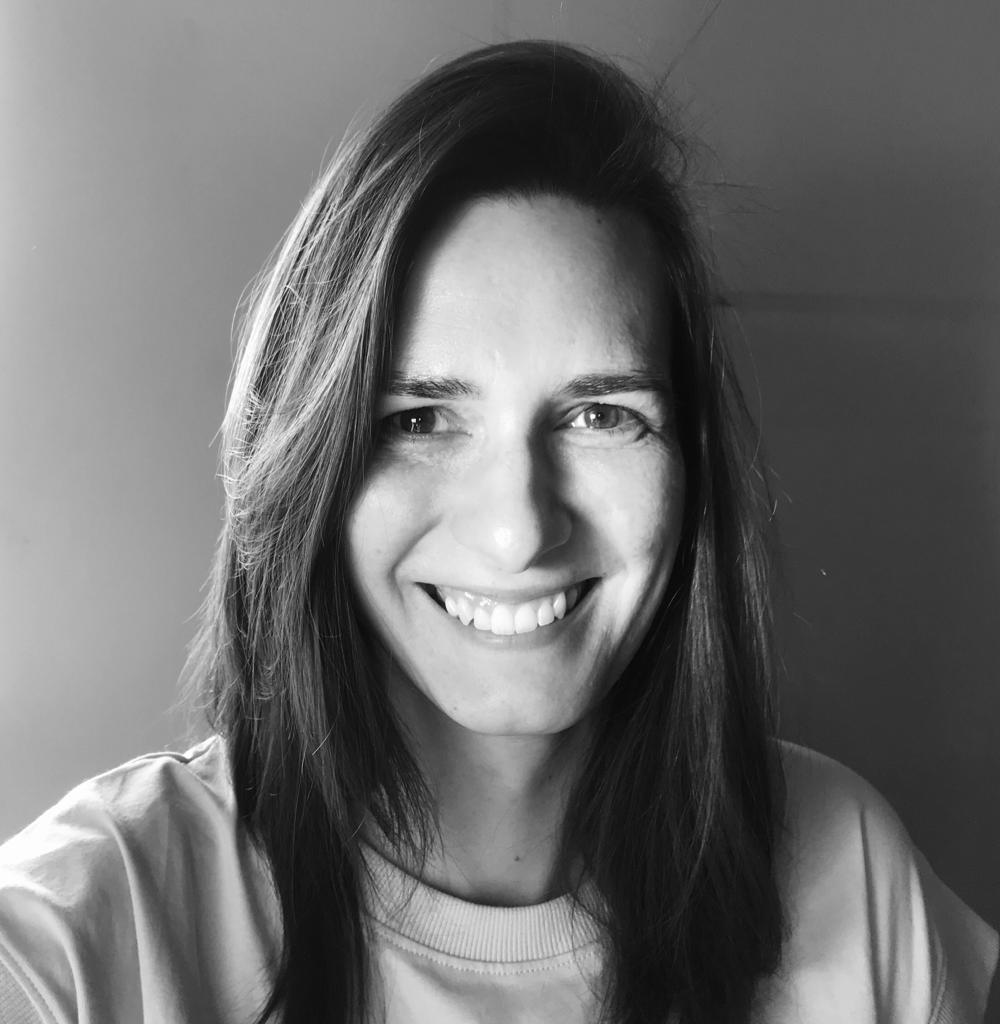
(523, 479)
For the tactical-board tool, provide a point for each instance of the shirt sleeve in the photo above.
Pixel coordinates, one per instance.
(15, 1007)
(874, 936)
(137, 897)
(967, 954)
(68, 928)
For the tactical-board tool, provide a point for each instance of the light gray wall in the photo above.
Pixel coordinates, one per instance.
(152, 155)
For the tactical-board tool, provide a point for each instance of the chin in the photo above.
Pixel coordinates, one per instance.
(523, 708)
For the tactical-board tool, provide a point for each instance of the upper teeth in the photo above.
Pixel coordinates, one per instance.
(486, 613)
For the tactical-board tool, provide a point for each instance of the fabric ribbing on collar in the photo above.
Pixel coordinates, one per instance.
(473, 931)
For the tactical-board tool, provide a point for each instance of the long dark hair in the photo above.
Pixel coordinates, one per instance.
(675, 811)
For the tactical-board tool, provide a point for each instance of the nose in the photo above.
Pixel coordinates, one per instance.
(508, 509)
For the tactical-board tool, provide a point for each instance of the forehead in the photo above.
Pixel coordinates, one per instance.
(504, 282)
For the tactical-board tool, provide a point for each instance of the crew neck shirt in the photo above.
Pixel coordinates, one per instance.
(139, 897)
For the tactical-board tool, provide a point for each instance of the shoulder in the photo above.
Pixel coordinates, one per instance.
(873, 935)
(832, 814)
(136, 814)
(143, 869)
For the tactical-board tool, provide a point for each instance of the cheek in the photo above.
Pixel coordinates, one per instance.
(388, 517)
(646, 510)
(373, 529)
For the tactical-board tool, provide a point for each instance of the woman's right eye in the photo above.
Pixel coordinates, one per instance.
(413, 422)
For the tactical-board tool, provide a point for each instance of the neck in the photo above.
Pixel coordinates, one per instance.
(500, 803)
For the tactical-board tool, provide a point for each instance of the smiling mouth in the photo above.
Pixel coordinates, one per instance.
(487, 614)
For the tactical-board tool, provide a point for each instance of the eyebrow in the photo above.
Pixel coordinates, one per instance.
(587, 385)
(435, 388)
(598, 384)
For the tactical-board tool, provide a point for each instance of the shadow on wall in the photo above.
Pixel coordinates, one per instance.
(865, 281)
(878, 424)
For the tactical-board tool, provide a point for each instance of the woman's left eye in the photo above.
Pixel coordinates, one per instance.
(606, 418)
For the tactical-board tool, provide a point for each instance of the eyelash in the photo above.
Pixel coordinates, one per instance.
(391, 426)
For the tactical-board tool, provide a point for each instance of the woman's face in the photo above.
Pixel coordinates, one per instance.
(518, 524)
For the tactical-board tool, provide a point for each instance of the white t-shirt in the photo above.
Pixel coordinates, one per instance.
(139, 898)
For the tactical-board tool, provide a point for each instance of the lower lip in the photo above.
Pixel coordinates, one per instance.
(521, 641)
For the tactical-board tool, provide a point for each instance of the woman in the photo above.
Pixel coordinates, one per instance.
(488, 639)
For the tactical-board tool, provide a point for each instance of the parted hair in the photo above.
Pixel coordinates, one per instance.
(677, 804)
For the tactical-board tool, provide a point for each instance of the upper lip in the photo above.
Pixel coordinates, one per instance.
(501, 596)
